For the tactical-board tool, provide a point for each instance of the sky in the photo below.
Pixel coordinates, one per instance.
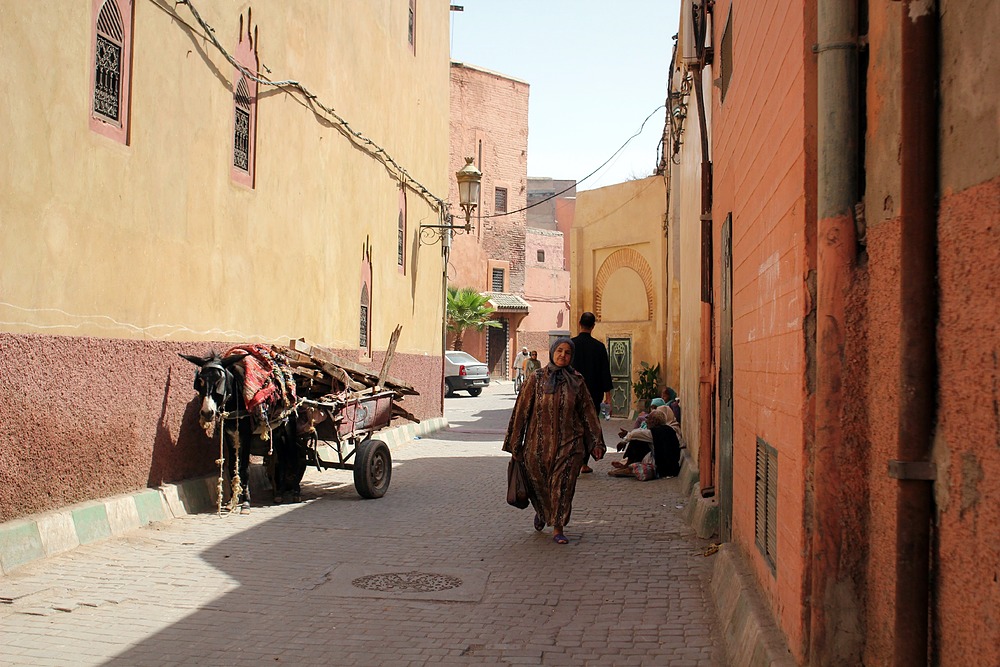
(596, 69)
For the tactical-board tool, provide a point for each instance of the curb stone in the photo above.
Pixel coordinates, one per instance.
(31, 538)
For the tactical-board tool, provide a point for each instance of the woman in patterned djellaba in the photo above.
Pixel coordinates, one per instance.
(553, 426)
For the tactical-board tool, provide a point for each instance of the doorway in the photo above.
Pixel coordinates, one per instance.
(620, 355)
(496, 349)
(726, 384)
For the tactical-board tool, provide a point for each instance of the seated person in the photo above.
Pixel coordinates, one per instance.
(640, 420)
(670, 399)
(660, 437)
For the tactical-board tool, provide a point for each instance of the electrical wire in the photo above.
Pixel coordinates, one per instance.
(367, 144)
(575, 183)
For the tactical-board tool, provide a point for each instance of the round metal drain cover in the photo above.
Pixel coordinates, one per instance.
(417, 582)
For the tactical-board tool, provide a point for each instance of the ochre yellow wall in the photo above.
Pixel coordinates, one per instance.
(618, 265)
(685, 217)
(153, 240)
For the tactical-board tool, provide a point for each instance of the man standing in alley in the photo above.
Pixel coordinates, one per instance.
(591, 360)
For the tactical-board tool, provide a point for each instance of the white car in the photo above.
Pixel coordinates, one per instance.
(462, 371)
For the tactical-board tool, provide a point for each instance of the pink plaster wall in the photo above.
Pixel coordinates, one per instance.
(85, 418)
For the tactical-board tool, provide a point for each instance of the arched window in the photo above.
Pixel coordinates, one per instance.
(241, 127)
(244, 145)
(112, 73)
(401, 232)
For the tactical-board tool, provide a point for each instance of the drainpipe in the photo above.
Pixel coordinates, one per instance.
(918, 315)
(834, 637)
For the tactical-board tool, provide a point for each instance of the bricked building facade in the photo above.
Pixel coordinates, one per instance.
(489, 123)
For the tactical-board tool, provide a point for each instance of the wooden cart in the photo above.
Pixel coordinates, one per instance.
(344, 440)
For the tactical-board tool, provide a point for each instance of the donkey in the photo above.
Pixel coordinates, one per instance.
(219, 383)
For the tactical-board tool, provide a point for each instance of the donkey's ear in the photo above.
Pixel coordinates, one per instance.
(233, 358)
(197, 361)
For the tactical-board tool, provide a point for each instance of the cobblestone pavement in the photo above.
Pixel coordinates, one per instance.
(440, 570)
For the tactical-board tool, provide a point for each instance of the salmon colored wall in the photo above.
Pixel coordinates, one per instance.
(967, 446)
(967, 443)
(877, 293)
(965, 596)
(760, 137)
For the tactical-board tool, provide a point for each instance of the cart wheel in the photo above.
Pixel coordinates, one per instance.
(372, 469)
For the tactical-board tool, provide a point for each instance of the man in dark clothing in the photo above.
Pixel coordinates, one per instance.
(591, 360)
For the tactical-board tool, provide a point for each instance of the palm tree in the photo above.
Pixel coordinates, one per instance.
(468, 309)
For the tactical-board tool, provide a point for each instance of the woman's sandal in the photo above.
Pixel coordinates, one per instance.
(539, 523)
(559, 538)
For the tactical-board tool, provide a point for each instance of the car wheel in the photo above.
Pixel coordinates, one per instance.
(448, 389)
(475, 391)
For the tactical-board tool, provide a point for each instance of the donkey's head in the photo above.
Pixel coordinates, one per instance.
(215, 384)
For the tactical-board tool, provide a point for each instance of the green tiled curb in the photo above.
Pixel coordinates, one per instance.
(92, 524)
(150, 506)
(25, 540)
(20, 543)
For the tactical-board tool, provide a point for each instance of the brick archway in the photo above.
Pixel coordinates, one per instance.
(626, 258)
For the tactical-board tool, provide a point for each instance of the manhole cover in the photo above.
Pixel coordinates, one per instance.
(415, 582)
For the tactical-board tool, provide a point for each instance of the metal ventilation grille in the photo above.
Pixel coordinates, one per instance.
(766, 502)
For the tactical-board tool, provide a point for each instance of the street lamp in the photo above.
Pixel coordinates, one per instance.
(469, 179)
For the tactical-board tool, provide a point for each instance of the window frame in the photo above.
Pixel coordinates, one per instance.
(246, 56)
(116, 130)
(499, 202)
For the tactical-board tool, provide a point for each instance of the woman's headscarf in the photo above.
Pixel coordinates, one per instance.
(671, 418)
(557, 375)
(657, 402)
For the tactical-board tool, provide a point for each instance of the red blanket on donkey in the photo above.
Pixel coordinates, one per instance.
(268, 385)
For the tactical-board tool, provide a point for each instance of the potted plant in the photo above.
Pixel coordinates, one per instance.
(647, 385)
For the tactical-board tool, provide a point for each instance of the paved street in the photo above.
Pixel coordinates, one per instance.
(440, 570)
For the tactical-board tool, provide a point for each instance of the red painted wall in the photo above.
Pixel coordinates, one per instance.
(85, 418)
(760, 142)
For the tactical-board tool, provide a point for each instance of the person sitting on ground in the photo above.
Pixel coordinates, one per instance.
(670, 397)
(660, 438)
(640, 420)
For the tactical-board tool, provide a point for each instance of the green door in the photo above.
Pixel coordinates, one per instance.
(620, 353)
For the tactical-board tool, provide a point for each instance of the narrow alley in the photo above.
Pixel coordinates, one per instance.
(439, 571)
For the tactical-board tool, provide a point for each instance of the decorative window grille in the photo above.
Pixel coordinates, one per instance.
(112, 70)
(766, 503)
(497, 280)
(412, 27)
(108, 65)
(500, 201)
(726, 56)
(363, 340)
(541, 255)
(241, 127)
